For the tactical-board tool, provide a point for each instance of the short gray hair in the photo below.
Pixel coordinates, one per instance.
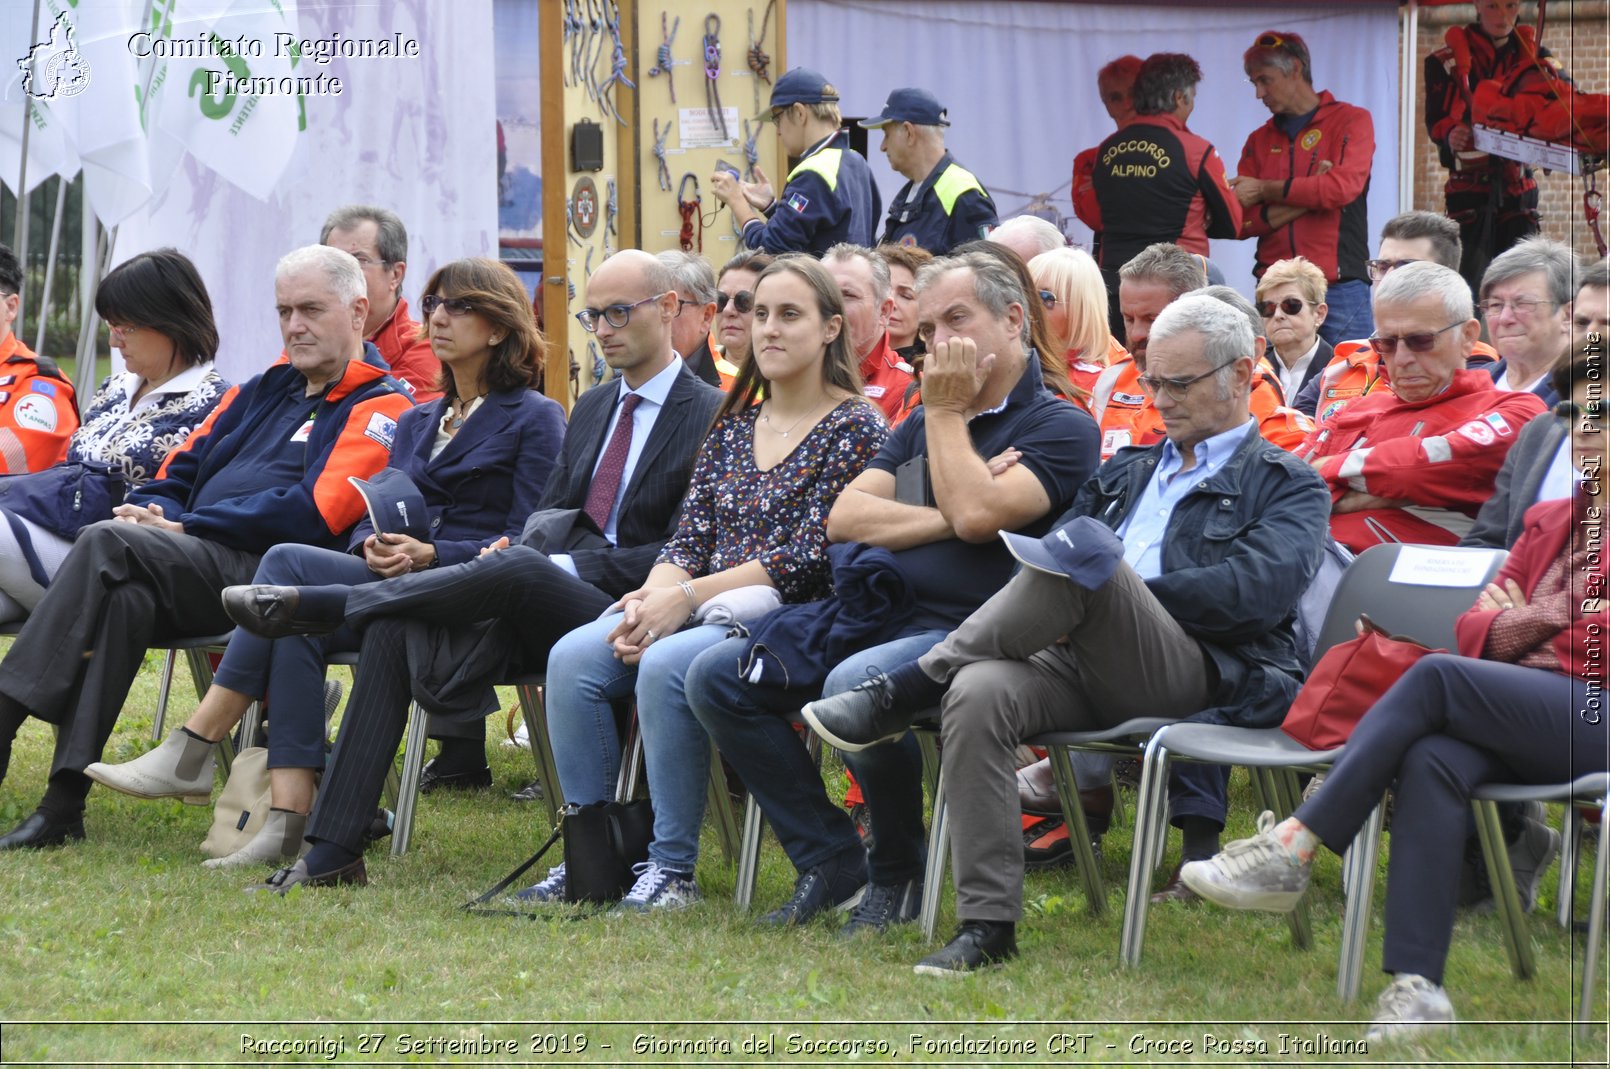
(340, 269)
(882, 280)
(1227, 335)
(994, 284)
(694, 278)
(1162, 77)
(1235, 300)
(391, 236)
(1038, 230)
(1554, 261)
(1165, 263)
(1412, 281)
(1594, 274)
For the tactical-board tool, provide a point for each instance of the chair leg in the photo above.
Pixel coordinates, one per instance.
(721, 809)
(1359, 883)
(1596, 910)
(1570, 849)
(1505, 896)
(632, 766)
(743, 893)
(1117, 798)
(1073, 818)
(169, 661)
(536, 728)
(1282, 785)
(1151, 825)
(933, 885)
(408, 786)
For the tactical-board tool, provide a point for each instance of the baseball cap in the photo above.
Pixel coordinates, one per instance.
(916, 106)
(396, 505)
(1082, 550)
(801, 86)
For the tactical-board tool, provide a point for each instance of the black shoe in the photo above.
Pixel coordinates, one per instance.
(476, 779)
(297, 875)
(272, 611)
(977, 945)
(379, 828)
(531, 792)
(817, 892)
(41, 828)
(882, 905)
(871, 713)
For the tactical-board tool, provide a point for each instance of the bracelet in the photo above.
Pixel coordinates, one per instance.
(693, 599)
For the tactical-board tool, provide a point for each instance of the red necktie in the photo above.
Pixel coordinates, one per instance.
(607, 479)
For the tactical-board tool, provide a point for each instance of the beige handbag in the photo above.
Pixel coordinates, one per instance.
(242, 807)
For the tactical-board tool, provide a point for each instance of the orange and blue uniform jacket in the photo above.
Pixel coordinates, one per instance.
(38, 409)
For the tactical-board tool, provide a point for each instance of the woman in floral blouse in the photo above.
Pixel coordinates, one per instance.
(755, 516)
(160, 318)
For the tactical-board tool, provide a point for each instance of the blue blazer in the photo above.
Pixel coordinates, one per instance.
(488, 479)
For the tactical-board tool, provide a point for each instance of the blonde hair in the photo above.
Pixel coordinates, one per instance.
(1071, 275)
(1298, 271)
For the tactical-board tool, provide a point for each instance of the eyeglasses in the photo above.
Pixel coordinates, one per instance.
(1417, 343)
(743, 302)
(121, 328)
(455, 306)
(1176, 388)
(365, 262)
(1048, 299)
(616, 315)
(1379, 269)
(1290, 305)
(1521, 306)
(1591, 415)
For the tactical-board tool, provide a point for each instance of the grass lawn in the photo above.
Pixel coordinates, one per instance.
(128, 927)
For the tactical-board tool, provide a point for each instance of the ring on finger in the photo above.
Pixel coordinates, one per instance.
(651, 636)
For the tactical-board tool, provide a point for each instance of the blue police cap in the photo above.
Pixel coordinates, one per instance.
(910, 105)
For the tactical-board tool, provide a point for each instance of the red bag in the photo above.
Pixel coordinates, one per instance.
(1349, 679)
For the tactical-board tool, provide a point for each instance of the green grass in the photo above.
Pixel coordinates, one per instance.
(128, 927)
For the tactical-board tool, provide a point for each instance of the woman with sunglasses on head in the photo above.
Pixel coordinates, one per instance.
(735, 308)
(1291, 300)
(479, 457)
(1522, 704)
(1074, 296)
(792, 432)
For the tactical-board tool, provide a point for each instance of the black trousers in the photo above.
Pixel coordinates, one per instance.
(123, 588)
(521, 589)
(1448, 726)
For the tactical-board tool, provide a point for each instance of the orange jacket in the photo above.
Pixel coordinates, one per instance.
(38, 410)
(412, 362)
(885, 377)
(1127, 417)
(1084, 374)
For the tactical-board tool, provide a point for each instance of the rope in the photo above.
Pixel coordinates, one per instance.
(759, 60)
(617, 68)
(689, 209)
(1591, 201)
(751, 149)
(659, 154)
(611, 209)
(663, 54)
(712, 71)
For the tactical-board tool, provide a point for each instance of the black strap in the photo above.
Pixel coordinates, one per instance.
(503, 884)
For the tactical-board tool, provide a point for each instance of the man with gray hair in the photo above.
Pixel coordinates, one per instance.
(864, 282)
(1132, 606)
(377, 239)
(271, 465)
(695, 311)
(942, 204)
(1415, 461)
(1028, 236)
(1525, 300)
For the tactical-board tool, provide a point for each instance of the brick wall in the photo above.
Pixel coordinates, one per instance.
(1579, 36)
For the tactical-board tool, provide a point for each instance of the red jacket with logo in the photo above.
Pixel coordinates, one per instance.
(885, 377)
(1156, 181)
(1439, 456)
(409, 354)
(38, 410)
(1334, 231)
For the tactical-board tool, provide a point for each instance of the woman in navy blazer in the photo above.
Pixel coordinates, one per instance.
(480, 456)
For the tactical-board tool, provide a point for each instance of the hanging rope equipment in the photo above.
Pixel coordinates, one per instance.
(689, 210)
(712, 71)
(663, 54)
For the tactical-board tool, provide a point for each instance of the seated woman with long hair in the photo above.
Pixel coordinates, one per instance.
(1075, 299)
(160, 318)
(1519, 705)
(480, 456)
(755, 516)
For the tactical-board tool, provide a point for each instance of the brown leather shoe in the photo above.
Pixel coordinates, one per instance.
(1175, 890)
(297, 875)
(1037, 794)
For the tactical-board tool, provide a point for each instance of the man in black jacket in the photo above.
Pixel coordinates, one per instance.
(1136, 605)
(623, 515)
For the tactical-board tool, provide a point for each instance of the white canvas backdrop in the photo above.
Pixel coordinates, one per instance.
(413, 135)
(1019, 80)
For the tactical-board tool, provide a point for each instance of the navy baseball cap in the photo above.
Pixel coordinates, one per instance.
(1082, 550)
(916, 106)
(801, 86)
(396, 505)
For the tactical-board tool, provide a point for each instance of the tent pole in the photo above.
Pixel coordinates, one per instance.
(50, 262)
(20, 233)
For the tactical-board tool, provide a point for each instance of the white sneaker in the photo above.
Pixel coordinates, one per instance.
(1256, 873)
(1412, 1004)
(657, 889)
(278, 842)
(550, 889)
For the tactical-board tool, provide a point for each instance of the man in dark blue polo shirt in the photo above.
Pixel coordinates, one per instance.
(942, 205)
(989, 450)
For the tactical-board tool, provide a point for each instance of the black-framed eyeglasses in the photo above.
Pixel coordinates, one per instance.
(455, 306)
(1048, 299)
(1379, 269)
(1176, 388)
(1571, 412)
(1290, 305)
(616, 315)
(743, 302)
(1417, 343)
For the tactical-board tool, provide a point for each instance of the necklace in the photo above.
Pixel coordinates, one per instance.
(765, 417)
(461, 410)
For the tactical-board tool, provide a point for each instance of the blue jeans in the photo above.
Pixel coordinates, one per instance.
(748, 726)
(584, 677)
(1350, 315)
(289, 672)
(890, 774)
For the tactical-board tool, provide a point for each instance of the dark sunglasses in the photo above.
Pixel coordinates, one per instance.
(456, 306)
(743, 301)
(1271, 40)
(1417, 343)
(1048, 299)
(1571, 412)
(1290, 305)
(1379, 269)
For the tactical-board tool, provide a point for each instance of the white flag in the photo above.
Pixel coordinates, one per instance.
(25, 67)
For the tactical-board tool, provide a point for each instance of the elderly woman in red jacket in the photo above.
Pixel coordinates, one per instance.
(1522, 703)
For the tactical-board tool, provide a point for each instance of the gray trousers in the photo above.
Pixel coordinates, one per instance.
(1010, 678)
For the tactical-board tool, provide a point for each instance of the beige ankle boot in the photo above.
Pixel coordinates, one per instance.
(277, 842)
(182, 767)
